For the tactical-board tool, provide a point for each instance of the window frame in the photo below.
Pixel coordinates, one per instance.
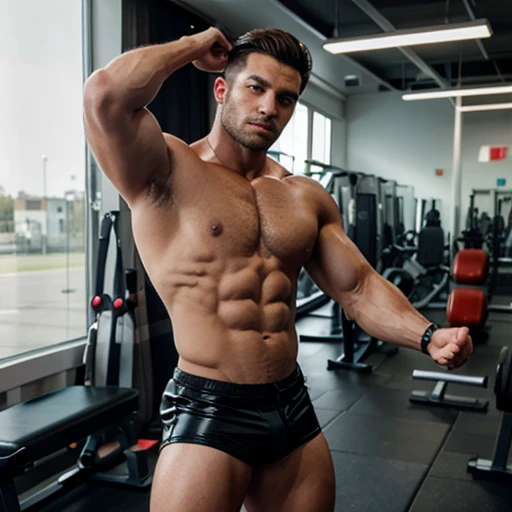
(311, 110)
(21, 369)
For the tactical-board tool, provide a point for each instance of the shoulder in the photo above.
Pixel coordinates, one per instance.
(306, 185)
(275, 169)
(175, 143)
(181, 152)
(307, 189)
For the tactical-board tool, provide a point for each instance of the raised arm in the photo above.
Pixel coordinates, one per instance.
(124, 136)
(378, 307)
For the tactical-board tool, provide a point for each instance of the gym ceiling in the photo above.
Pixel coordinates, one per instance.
(446, 65)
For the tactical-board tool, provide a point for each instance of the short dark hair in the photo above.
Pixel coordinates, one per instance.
(274, 42)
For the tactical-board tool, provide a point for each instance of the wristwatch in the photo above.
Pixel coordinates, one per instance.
(427, 337)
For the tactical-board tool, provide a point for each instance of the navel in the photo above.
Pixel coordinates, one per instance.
(216, 229)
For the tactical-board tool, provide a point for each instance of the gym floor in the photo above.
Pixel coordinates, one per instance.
(389, 454)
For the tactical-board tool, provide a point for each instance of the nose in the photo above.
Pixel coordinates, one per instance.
(268, 105)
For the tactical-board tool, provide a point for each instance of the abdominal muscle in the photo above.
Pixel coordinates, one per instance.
(233, 321)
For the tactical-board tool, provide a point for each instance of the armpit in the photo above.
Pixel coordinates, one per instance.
(159, 190)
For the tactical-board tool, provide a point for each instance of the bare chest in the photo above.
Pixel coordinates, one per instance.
(262, 217)
(225, 218)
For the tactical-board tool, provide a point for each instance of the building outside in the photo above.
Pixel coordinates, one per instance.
(49, 225)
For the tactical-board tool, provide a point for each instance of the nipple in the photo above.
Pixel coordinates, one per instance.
(216, 229)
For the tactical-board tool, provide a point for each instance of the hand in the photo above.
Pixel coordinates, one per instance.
(216, 48)
(451, 347)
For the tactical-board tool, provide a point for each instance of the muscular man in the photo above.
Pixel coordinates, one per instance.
(223, 232)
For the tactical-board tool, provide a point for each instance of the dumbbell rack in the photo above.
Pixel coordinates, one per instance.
(496, 469)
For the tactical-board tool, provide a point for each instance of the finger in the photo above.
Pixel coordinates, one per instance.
(462, 335)
(219, 51)
(223, 41)
(447, 352)
(454, 348)
(442, 361)
(461, 358)
(226, 43)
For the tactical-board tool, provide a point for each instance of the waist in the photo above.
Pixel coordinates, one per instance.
(292, 381)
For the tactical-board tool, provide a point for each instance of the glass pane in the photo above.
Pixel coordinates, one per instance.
(328, 128)
(301, 137)
(293, 141)
(42, 175)
(321, 144)
(318, 148)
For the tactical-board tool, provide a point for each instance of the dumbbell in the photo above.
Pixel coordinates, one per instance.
(503, 384)
(497, 469)
(467, 305)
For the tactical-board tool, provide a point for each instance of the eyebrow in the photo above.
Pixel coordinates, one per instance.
(266, 83)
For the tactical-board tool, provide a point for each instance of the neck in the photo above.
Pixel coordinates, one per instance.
(231, 154)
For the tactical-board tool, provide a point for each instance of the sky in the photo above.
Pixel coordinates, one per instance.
(41, 91)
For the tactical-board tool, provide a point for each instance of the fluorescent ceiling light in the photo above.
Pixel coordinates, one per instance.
(476, 29)
(493, 106)
(454, 93)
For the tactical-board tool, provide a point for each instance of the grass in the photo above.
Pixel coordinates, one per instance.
(28, 262)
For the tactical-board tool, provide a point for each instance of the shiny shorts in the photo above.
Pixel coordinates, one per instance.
(256, 423)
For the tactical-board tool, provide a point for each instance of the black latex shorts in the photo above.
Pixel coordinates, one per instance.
(256, 423)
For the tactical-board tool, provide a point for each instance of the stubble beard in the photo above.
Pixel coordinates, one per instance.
(255, 142)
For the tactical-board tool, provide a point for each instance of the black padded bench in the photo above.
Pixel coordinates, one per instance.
(45, 424)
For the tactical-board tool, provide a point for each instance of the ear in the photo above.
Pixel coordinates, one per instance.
(219, 89)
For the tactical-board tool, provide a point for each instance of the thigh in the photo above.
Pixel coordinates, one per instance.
(301, 482)
(199, 478)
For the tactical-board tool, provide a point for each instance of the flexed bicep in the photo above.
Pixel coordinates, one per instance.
(129, 146)
(336, 264)
(124, 136)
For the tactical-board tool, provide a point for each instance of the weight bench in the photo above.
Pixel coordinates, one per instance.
(45, 424)
(438, 396)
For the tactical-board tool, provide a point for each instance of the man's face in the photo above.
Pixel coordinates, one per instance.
(259, 101)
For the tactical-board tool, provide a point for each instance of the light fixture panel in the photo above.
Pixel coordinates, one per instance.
(476, 29)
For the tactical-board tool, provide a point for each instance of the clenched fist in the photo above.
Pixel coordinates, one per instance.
(450, 347)
(215, 48)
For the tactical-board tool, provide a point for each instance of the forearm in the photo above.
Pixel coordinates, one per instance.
(382, 311)
(134, 78)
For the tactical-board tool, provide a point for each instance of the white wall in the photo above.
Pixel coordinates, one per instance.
(324, 99)
(484, 128)
(408, 141)
(404, 141)
(339, 143)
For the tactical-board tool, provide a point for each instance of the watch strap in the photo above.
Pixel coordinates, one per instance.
(427, 337)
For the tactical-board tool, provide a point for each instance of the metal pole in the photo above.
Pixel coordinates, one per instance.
(456, 175)
(91, 203)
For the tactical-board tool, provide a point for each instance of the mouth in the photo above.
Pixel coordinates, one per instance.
(266, 127)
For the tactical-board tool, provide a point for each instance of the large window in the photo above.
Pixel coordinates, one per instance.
(42, 175)
(293, 142)
(298, 142)
(321, 138)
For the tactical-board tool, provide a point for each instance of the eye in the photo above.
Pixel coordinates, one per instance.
(255, 87)
(286, 101)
